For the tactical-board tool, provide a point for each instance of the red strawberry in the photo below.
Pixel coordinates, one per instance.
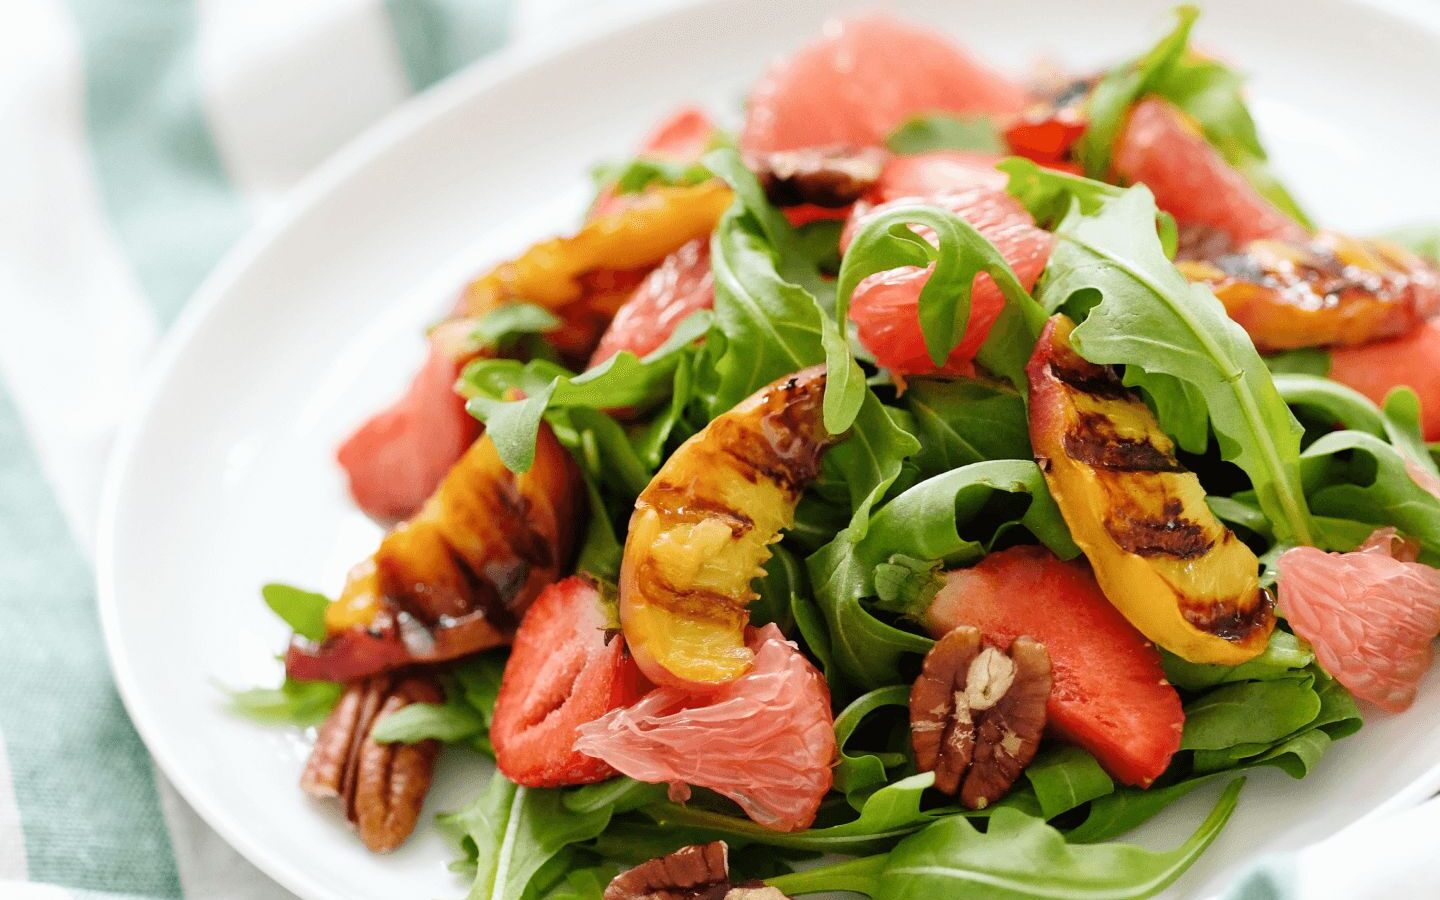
(568, 667)
(1110, 694)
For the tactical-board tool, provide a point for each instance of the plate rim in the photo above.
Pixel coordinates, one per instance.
(370, 145)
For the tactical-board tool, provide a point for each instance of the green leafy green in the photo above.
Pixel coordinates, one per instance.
(1065, 777)
(303, 611)
(924, 523)
(508, 321)
(1109, 103)
(1358, 477)
(1283, 654)
(860, 774)
(886, 241)
(464, 718)
(938, 131)
(1149, 317)
(887, 815)
(1398, 422)
(1250, 712)
(1018, 856)
(964, 421)
(1210, 93)
(301, 703)
(635, 175)
(509, 832)
(1306, 361)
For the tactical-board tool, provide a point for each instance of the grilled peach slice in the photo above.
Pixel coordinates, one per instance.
(456, 578)
(1162, 558)
(702, 530)
(1333, 291)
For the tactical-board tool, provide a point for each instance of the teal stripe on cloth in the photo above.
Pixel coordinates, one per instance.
(438, 37)
(158, 168)
(82, 780)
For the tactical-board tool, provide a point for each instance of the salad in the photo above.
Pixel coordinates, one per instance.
(913, 491)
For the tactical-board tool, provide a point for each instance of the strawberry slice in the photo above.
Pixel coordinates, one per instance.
(568, 667)
(1110, 695)
(397, 458)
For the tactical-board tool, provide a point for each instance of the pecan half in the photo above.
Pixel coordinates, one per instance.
(697, 872)
(382, 786)
(977, 715)
(831, 177)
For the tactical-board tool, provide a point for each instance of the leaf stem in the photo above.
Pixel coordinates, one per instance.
(858, 875)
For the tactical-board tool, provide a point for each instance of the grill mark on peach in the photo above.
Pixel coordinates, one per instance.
(674, 505)
(1229, 621)
(689, 602)
(1094, 442)
(1139, 531)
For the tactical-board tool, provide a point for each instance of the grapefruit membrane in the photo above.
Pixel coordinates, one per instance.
(1372, 615)
(765, 740)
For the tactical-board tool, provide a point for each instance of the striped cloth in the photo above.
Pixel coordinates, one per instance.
(140, 139)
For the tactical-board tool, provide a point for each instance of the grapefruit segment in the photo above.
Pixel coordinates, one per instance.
(679, 286)
(1161, 147)
(683, 137)
(864, 77)
(886, 306)
(765, 740)
(1371, 616)
(397, 458)
(1413, 360)
(1110, 695)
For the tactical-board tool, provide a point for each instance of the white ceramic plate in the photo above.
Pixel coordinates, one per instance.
(224, 478)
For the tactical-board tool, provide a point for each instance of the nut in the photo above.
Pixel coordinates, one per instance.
(697, 872)
(942, 732)
(1009, 733)
(977, 715)
(382, 786)
(831, 177)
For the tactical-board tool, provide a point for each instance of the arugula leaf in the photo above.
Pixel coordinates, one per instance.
(1065, 777)
(1358, 477)
(939, 131)
(464, 718)
(772, 326)
(1251, 712)
(1398, 422)
(623, 380)
(1284, 654)
(924, 522)
(303, 611)
(635, 175)
(964, 421)
(887, 241)
(1125, 810)
(1210, 93)
(857, 776)
(887, 815)
(1109, 103)
(300, 703)
(1148, 316)
(1305, 361)
(1018, 856)
(783, 582)
(510, 320)
(1421, 239)
(509, 832)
